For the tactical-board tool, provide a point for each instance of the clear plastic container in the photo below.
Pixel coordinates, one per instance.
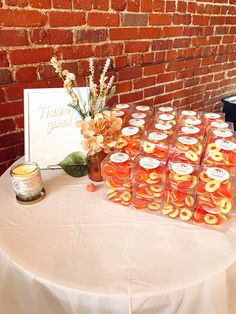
(161, 126)
(215, 134)
(148, 110)
(139, 115)
(147, 191)
(186, 149)
(120, 114)
(117, 165)
(192, 121)
(208, 218)
(209, 117)
(183, 214)
(219, 125)
(155, 144)
(220, 151)
(153, 205)
(126, 108)
(118, 195)
(214, 197)
(165, 109)
(179, 199)
(129, 141)
(114, 182)
(188, 114)
(197, 132)
(116, 169)
(182, 177)
(214, 191)
(148, 171)
(142, 124)
(178, 205)
(166, 117)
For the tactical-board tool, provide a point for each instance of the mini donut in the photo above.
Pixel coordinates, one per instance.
(157, 197)
(212, 186)
(155, 189)
(210, 219)
(126, 196)
(111, 193)
(150, 181)
(225, 205)
(191, 155)
(121, 143)
(167, 210)
(194, 182)
(189, 201)
(148, 191)
(153, 176)
(179, 177)
(185, 214)
(125, 203)
(198, 148)
(212, 147)
(204, 177)
(174, 214)
(149, 147)
(216, 156)
(153, 206)
(205, 198)
(182, 147)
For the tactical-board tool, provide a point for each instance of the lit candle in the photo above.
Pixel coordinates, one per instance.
(27, 182)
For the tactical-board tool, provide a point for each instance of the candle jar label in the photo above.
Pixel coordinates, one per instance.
(27, 188)
(27, 182)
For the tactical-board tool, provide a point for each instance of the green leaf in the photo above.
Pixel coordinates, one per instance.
(77, 109)
(112, 92)
(75, 164)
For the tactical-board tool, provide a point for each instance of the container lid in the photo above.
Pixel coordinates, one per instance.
(119, 157)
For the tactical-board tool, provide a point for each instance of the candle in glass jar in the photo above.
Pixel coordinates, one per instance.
(27, 182)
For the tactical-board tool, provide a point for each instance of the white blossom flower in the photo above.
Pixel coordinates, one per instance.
(99, 93)
(70, 76)
(109, 85)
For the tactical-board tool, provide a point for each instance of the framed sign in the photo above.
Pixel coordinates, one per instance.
(50, 125)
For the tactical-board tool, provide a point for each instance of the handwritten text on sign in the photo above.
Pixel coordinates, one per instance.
(58, 117)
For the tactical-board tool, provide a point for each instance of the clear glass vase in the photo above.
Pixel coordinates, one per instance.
(94, 165)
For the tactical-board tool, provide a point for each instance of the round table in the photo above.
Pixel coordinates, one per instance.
(75, 252)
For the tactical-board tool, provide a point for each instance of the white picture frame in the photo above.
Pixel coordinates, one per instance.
(50, 125)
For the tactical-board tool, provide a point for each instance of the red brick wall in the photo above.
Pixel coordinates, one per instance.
(173, 52)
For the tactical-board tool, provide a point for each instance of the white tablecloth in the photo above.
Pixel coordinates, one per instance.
(75, 252)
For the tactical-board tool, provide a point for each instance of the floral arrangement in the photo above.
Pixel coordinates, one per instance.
(101, 132)
(99, 126)
(98, 94)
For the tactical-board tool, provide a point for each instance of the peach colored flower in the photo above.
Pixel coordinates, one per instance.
(100, 132)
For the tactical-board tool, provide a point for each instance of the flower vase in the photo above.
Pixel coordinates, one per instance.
(94, 165)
